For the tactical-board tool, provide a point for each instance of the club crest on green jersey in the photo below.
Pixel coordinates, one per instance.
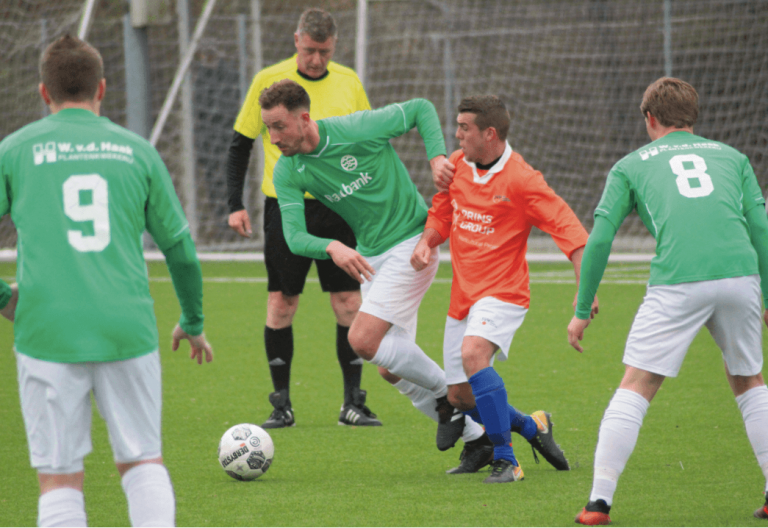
(348, 163)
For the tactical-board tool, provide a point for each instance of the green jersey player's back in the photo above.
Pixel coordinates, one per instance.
(692, 194)
(81, 190)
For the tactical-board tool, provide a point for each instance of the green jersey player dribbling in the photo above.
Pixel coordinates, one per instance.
(349, 165)
(701, 202)
(81, 190)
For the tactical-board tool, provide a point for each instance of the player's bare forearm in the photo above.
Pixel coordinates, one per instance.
(9, 310)
(352, 262)
(430, 239)
(442, 172)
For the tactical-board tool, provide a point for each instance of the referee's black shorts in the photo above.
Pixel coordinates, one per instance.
(287, 272)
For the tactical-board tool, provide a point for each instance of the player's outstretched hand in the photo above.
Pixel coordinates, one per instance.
(442, 172)
(421, 255)
(595, 306)
(197, 344)
(350, 261)
(240, 222)
(765, 317)
(576, 332)
(9, 311)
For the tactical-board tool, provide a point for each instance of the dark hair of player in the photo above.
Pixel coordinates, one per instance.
(71, 70)
(673, 102)
(318, 24)
(489, 111)
(288, 93)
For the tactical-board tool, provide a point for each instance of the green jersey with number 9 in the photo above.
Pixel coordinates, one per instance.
(81, 190)
(692, 194)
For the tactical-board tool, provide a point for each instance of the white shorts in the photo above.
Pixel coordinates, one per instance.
(489, 318)
(56, 405)
(396, 290)
(672, 315)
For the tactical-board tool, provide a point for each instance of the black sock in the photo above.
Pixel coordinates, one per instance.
(351, 363)
(279, 347)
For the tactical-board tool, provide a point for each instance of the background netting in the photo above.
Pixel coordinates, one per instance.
(571, 72)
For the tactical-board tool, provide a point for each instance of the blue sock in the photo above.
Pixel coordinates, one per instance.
(491, 401)
(474, 414)
(522, 422)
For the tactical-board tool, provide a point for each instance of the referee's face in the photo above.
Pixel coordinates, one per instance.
(312, 57)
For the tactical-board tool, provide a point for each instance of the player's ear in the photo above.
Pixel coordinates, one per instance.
(101, 89)
(490, 134)
(296, 39)
(44, 94)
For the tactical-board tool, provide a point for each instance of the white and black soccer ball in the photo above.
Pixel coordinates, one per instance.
(246, 451)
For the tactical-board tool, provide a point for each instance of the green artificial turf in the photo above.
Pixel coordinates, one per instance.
(692, 466)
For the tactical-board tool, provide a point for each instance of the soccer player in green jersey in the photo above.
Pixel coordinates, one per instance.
(81, 190)
(700, 200)
(348, 164)
(335, 90)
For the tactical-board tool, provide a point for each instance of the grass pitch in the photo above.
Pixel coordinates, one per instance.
(692, 466)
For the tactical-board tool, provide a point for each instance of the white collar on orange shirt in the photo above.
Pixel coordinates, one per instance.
(493, 170)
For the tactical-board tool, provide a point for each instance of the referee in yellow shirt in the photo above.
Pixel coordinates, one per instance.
(335, 90)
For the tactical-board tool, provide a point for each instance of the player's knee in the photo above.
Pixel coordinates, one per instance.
(345, 306)
(281, 309)
(473, 362)
(361, 344)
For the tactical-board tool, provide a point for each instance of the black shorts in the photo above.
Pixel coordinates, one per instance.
(287, 272)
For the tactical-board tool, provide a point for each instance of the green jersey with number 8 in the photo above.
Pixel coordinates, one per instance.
(692, 194)
(81, 190)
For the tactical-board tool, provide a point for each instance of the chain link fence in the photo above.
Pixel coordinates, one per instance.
(572, 73)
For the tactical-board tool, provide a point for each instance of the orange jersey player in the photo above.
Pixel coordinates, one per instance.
(488, 210)
(488, 215)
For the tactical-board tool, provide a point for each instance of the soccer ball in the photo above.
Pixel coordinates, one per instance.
(246, 451)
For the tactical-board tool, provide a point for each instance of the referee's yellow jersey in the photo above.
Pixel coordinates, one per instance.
(338, 93)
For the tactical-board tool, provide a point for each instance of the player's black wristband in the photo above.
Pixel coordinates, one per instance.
(237, 165)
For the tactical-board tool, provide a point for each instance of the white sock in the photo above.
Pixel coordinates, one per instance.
(150, 495)
(616, 441)
(472, 430)
(426, 402)
(405, 359)
(61, 507)
(753, 405)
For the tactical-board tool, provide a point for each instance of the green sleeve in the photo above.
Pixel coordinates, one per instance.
(758, 232)
(290, 197)
(593, 264)
(395, 120)
(299, 241)
(5, 294)
(164, 216)
(187, 278)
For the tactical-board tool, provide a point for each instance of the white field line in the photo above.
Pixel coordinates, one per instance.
(9, 255)
(534, 280)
